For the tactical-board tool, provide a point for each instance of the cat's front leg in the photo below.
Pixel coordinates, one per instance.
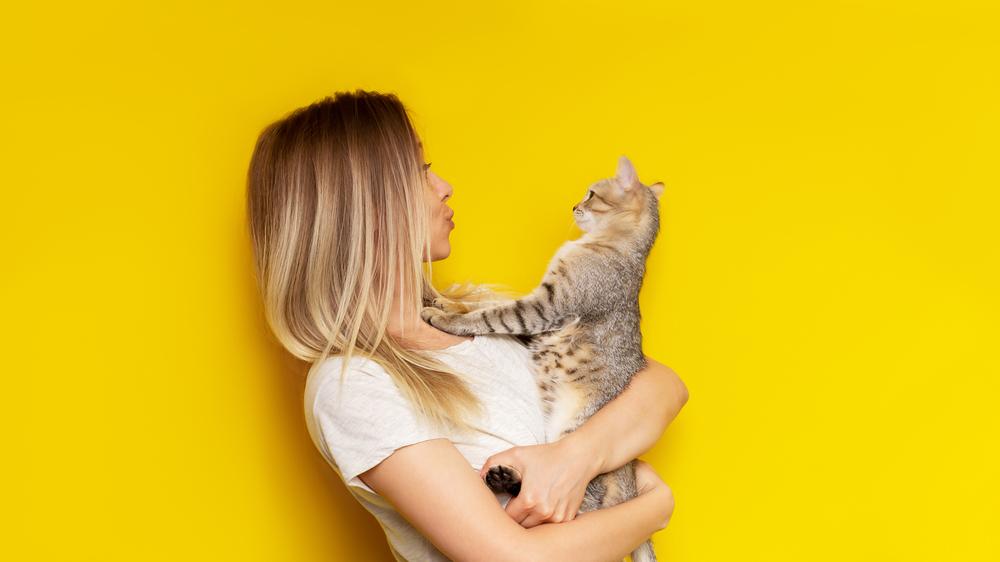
(451, 322)
(461, 307)
(527, 316)
(457, 323)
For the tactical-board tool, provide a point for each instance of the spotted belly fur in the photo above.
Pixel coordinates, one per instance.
(565, 364)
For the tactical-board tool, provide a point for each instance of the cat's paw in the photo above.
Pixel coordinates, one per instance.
(429, 313)
(449, 305)
(456, 324)
(441, 320)
(503, 478)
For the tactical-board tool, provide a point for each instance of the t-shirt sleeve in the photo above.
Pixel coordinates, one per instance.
(364, 419)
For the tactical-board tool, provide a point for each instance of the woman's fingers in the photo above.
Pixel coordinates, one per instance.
(645, 477)
(530, 509)
(532, 520)
(538, 516)
(552, 483)
(572, 510)
(535, 516)
(518, 509)
(563, 513)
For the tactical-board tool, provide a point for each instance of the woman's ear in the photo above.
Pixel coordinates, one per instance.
(657, 189)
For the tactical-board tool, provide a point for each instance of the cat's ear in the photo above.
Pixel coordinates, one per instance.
(626, 177)
(657, 189)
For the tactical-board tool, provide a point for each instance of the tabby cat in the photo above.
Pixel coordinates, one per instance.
(583, 321)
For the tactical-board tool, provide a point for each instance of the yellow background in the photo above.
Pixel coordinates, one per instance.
(825, 280)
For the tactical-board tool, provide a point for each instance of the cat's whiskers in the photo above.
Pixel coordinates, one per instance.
(572, 225)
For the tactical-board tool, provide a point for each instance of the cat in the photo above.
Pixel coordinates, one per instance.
(581, 323)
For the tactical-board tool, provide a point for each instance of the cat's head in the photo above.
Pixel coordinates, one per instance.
(620, 201)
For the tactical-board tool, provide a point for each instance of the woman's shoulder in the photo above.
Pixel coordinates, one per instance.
(335, 365)
(357, 416)
(333, 384)
(335, 375)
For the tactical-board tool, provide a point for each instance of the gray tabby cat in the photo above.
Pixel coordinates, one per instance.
(584, 322)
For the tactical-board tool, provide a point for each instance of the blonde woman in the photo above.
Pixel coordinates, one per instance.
(344, 214)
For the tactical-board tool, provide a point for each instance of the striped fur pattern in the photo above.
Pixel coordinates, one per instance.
(582, 322)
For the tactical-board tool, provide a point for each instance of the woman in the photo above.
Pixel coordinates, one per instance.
(343, 214)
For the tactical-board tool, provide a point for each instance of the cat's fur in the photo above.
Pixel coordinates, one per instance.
(583, 321)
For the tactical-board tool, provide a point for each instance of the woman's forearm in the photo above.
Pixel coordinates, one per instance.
(631, 424)
(606, 534)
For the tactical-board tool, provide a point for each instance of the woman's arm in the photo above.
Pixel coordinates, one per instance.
(555, 475)
(433, 487)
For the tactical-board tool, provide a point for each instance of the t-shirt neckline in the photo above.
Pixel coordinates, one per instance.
(458, 346)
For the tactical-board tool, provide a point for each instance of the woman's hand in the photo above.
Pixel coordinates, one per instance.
(647, 481)
(467, 524)
(554, 477)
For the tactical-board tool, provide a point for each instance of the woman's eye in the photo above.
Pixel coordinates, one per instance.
(427, 166)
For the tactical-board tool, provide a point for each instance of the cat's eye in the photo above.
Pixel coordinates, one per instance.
(589, 195)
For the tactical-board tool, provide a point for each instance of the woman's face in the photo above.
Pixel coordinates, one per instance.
(436, 193)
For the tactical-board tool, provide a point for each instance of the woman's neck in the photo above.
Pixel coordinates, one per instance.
(412, 332)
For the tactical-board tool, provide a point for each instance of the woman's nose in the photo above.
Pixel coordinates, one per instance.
(446, 191)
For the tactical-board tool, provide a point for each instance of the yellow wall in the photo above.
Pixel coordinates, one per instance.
(825, 281)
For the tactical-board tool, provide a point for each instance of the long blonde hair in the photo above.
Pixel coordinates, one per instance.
(338, 223)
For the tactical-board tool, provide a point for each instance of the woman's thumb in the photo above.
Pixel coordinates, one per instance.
(502, 458)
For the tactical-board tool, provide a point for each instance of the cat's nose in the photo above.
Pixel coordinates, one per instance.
(574, 207)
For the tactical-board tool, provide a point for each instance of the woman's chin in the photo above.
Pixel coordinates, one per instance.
(438, 254)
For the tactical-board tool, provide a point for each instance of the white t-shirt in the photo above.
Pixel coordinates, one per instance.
(358, 425)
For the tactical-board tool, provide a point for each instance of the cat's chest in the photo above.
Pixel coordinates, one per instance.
(566, 368)
(604, 264)
(586, 250)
